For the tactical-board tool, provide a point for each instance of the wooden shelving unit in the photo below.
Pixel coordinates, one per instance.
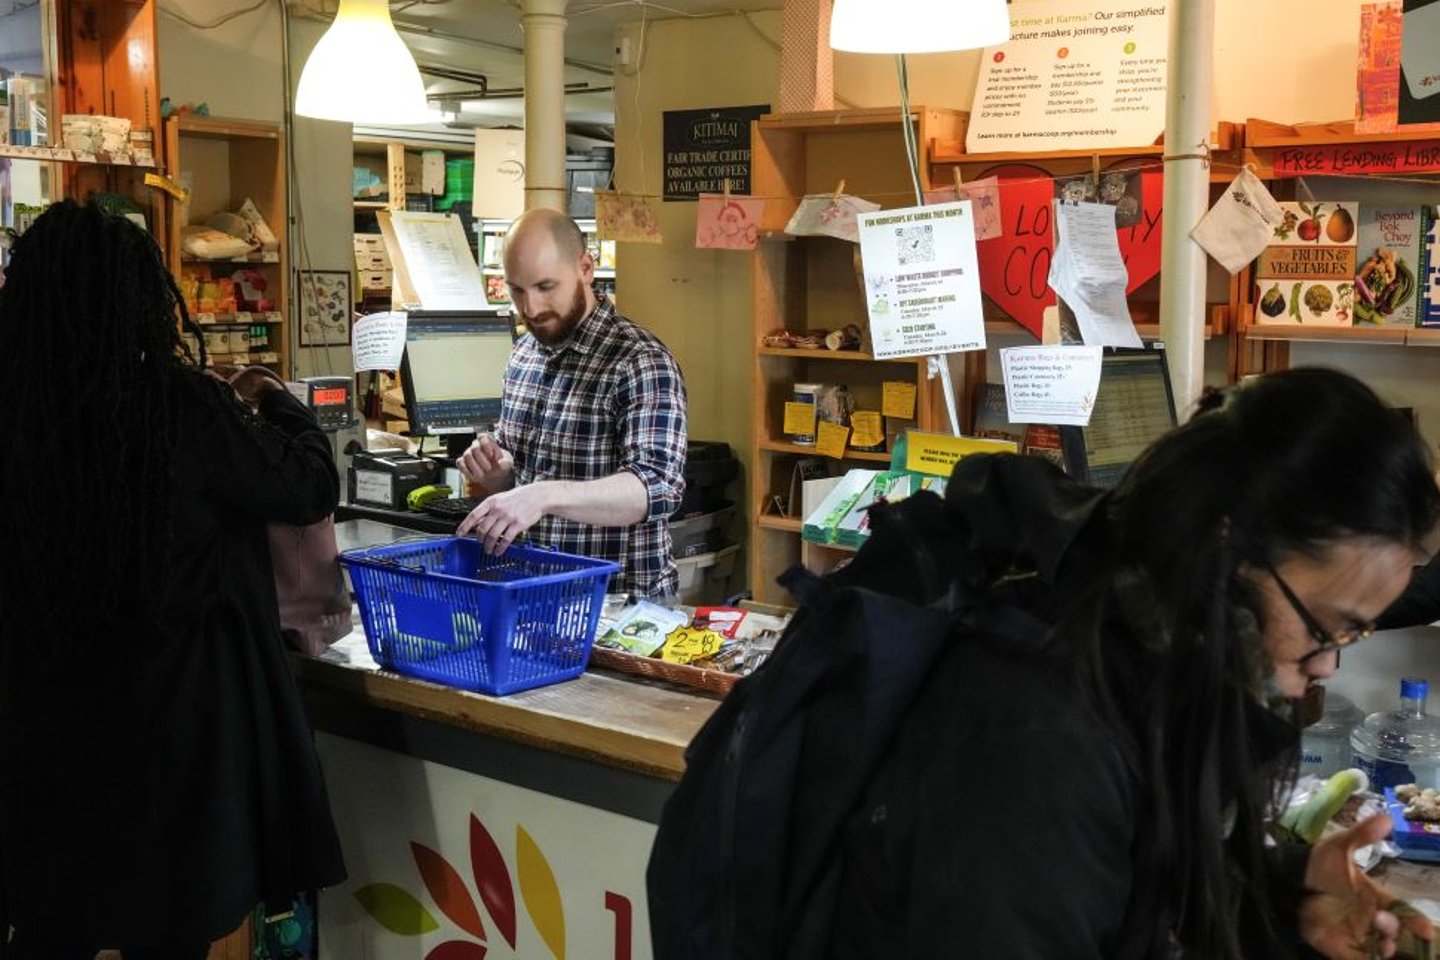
(811, 282)
(1262, 347)
(228, 161)
(948, 156)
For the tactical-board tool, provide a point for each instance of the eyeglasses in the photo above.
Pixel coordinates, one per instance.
(1328, 642)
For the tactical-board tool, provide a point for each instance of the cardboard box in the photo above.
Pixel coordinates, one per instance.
(424, 173)
(429, 173)
(367, 262)
(499, 174)
(376, 279)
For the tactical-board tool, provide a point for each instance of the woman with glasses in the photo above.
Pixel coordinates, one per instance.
(1106, 787)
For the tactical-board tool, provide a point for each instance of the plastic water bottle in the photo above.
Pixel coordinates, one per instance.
(1400, 746)
(1325, 745)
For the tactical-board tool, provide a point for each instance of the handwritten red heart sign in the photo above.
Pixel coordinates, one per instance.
(1015, 266)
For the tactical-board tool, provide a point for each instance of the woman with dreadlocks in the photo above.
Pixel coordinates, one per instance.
(157, 775)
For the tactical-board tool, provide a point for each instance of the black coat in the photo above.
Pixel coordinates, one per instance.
(161, 799)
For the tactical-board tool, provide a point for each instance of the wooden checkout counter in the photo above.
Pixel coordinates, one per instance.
(534, 811)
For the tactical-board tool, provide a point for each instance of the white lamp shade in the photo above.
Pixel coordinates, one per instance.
(361, 71)
(918, 26)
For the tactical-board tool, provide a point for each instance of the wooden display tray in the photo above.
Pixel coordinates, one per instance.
(716, 682)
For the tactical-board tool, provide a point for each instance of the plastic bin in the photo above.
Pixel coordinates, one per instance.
(709, 466)
(444, 610)
(700, 534)
(703, 578)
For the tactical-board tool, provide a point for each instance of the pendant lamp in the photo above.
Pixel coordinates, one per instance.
(918, 26)
(361, 71)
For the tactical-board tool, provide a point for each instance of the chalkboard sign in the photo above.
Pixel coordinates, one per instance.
(704, 148)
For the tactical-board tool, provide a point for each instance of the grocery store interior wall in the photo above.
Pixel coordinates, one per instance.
(697, 301)
(236, 70)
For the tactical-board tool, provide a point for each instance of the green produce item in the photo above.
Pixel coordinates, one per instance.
(1304, 823)
(1364, 313)
(1295, 304)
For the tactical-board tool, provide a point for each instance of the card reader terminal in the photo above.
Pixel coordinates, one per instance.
(332, 399)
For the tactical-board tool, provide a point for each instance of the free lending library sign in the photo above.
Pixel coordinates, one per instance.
(1415, 157)
(704, 148)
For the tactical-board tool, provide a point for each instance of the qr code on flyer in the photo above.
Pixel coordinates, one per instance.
(916, 244)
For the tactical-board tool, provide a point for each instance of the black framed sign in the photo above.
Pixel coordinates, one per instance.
(704, 148)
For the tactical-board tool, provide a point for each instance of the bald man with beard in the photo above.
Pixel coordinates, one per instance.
(589, 454)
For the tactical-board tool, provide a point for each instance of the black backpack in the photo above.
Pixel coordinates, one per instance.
(744, 862)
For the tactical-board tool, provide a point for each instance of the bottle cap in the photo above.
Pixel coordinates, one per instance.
(1412, 688)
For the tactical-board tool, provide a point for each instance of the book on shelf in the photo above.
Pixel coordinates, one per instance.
(1388, 265)
(1428, 273)
(1307, 273)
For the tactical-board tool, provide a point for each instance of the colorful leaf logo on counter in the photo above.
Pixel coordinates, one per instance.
(401, 912)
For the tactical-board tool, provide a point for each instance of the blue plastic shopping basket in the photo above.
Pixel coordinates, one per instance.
(444, 610)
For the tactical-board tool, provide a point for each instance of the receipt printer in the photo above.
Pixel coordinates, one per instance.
(384, 478)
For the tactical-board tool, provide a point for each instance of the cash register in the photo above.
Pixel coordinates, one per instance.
(453, 374)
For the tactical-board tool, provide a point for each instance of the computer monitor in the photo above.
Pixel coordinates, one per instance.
(1134, 406)
(453, 371)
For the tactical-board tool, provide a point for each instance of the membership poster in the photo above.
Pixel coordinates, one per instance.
(922, 284)
(706, 148)
(1084, 75)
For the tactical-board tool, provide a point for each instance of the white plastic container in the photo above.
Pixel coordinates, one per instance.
(1400, 746)
(1325, 745)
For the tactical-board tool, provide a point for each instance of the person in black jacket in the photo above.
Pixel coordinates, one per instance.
(158, 778)
(1040, 721)
(1105, 787)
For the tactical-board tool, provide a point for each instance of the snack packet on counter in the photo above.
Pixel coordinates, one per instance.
(642, 629)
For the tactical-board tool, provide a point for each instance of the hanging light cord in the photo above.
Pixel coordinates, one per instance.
(912, 150)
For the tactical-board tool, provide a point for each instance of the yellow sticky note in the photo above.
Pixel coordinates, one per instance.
(800, 419)
(936, 454)
(831, 439)
(898, 399)
(686, 644)
(867, 429)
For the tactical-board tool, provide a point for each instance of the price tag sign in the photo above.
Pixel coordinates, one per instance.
(687, 644)
(898, 399)
(867, 428)
(800, 419)
(936, 454)
(831, 439)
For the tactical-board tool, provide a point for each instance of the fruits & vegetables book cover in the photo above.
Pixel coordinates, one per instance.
(1307, 273)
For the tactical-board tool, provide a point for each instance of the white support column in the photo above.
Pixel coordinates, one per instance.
(1187, 196)
(544, 24)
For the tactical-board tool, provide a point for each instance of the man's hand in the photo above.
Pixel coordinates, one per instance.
(487, 464)
(1345, 914)
(502, 517)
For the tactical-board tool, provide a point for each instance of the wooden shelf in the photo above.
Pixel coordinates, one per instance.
(252, 258)
(783, 524)
(1226, 136)
(808, 450)
(236, 319)
(1393, 336)
(1265, 134)
(224, 128)
(64, 155)
(839, 121)
(853, 356)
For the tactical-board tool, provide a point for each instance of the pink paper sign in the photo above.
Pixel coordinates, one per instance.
(727, 222)
(626, 216)
(984, 197)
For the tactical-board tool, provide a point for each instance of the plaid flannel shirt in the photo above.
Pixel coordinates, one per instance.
(609, 398)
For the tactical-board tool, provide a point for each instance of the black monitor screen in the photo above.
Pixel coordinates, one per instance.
(454, 370)
(1133, 407)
